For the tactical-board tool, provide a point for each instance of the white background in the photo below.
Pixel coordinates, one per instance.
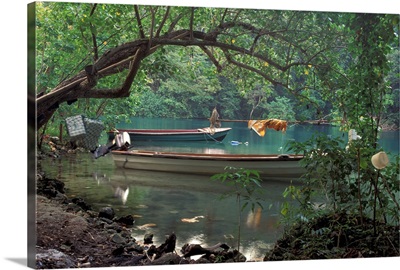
(13, 89)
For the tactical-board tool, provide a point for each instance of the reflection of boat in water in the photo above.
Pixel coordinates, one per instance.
(122, 194)
(181, 181)
(120, 189)
(168, 180)
(100, 177)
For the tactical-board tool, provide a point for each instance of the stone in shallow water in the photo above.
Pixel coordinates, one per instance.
(127, 220)
(148, 238)
(107, 212)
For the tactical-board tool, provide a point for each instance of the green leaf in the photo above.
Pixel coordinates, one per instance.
(363, 164)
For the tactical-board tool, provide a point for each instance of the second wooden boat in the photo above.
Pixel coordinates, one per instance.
(201, 134)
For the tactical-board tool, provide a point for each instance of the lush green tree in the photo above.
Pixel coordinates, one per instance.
(281, 108)
(256, 98)
(391, 116)
(353, 184)
(187, 93)
(105, 51)
(228, 99)
(367, 99)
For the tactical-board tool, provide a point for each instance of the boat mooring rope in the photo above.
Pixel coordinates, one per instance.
(209, 135)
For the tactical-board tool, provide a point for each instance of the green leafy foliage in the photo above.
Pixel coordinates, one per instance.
(246, 188)
(341, 67)
(320, 82)
(281, 108)
(342, 172)
(346, 179)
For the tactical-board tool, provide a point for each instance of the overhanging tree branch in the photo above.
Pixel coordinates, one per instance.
(212, 58)
(247, 53)
(175, 22)
(162, 22)
(139, 21)
(153, 18)
(124, 92)
(93, 32)
(113, 60)
(191, 22)
(252, 69)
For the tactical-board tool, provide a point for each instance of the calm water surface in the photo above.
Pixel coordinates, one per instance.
(273, 141)
(159, 202)
(162, 202)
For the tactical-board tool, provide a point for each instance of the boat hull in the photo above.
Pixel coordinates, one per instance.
(269, 166)
(174, 134)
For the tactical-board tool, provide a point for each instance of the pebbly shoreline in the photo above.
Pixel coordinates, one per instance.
(71, 235)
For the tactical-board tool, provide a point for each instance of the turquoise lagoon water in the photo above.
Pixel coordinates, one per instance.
(161, 202)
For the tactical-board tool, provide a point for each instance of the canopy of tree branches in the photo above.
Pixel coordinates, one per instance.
(105, 51)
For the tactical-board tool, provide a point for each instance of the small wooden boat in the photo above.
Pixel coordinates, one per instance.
(282, 167)
(201, 134)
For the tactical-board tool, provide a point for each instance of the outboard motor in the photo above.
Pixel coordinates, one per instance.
(121, 142)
